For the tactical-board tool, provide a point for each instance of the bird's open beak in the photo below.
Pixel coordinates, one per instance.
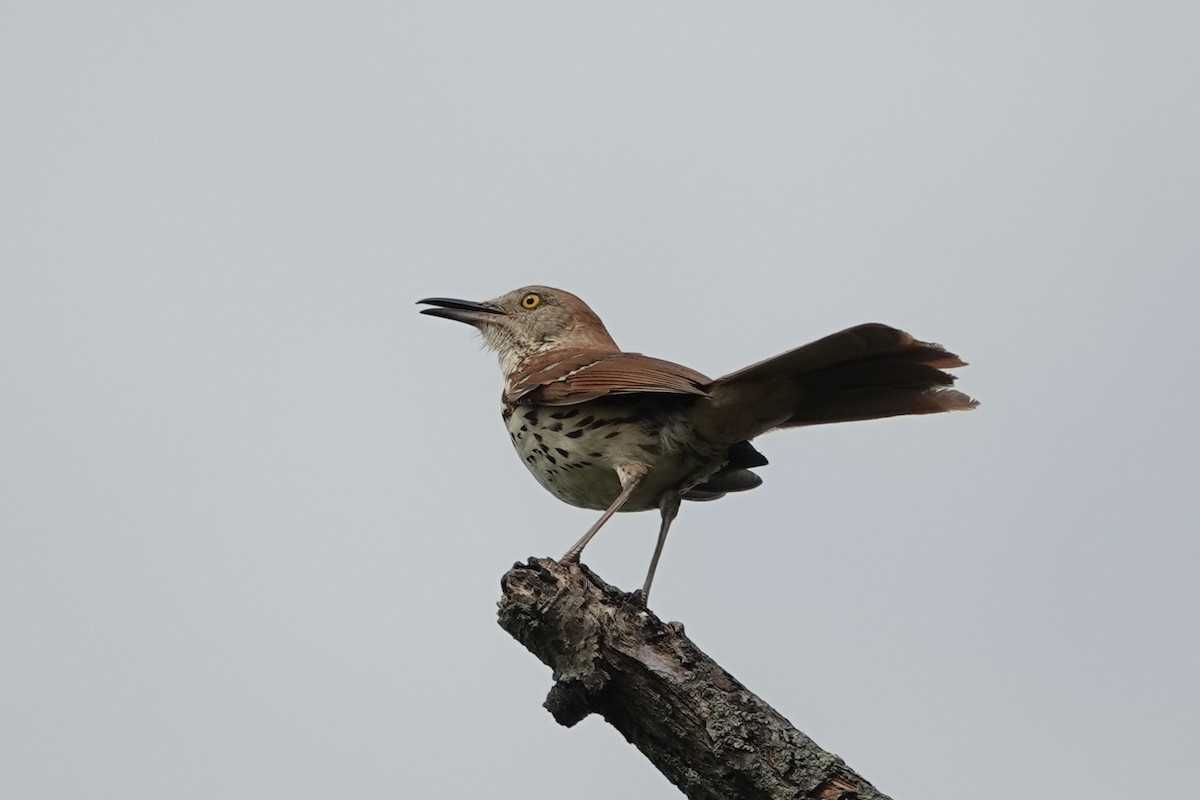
(460, 310)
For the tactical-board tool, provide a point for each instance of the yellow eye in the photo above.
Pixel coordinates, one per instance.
(531, 301)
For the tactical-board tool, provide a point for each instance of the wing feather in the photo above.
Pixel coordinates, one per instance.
(567, 377)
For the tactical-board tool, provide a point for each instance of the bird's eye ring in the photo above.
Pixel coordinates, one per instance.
(531, 301)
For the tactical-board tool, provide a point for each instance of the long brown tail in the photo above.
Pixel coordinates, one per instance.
(865, 372)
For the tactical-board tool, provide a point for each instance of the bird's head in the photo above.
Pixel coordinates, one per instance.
(526, 322)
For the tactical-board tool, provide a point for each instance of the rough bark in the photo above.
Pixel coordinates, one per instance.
(708, 734)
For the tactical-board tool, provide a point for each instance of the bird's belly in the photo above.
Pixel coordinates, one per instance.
(574, 453)
(585, 484)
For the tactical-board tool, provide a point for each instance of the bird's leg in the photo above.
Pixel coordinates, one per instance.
(669, 506)
(631, 476)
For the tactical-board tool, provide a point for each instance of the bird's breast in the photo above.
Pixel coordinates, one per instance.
(574, 451)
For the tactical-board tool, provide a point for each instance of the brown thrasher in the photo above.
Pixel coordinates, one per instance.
(604, 429)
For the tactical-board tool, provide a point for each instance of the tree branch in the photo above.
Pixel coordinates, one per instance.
(705, 732)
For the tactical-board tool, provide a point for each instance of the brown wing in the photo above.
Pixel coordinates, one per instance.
(566, 377)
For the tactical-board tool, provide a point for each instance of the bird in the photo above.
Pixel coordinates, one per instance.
(608, 430)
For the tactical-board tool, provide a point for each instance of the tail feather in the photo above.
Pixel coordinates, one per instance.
(865, 372)
(872, 341)
(849, 405)
(891, 372)
(735, 476)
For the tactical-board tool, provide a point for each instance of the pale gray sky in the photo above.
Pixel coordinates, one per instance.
(255, 508)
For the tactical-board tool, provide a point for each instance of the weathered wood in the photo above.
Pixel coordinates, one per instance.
(708, 734)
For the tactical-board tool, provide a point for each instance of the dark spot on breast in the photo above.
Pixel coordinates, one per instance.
(530, 458)
(600, 423)
(565, 414)
(532, 416)
(583, 464)
(537, 436)
(551, 459)
(524, 427)
(505, 413)
(556, 426)
(545, 448)
(583, 423)
(575, 434)
(611, 434)
(595, 455)
(562, 452)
